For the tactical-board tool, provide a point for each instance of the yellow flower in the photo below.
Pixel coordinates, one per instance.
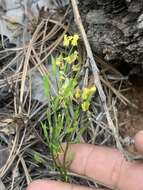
(85, 94)
(61, 77)
(66, 41)
(71, 58)
(59, 60)
(88, 92)
(77, 93)
(75, 67)
(85, 106)
(92, 89)
(74, 40)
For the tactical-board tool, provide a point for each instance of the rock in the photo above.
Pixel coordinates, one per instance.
(115, 29)
(96, 16)
(140, 22)
(38, 85)
(15, 16)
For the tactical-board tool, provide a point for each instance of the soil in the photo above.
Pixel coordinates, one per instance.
(131, 117)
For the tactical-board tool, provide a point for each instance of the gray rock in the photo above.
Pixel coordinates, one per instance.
(96, 16)
(38, 85)
(116, 33)
(16, 15)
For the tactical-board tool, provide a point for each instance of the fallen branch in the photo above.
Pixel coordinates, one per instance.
(89, 51)
(95, 71)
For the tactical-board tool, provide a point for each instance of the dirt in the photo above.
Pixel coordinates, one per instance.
(131, 117)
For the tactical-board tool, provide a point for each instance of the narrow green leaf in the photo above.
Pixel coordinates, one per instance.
(54, 67)
(71, 156)
(37, 157)
(68, 87)
(46, 85)
(44, 127)
(70, 130)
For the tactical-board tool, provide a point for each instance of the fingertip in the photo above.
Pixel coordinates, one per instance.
(139, 142)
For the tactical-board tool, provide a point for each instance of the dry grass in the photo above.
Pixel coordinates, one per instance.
(23, 114)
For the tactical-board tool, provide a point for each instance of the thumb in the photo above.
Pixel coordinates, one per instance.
(139, 142)
(53, 185)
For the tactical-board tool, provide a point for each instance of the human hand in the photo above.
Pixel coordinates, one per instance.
(103, 164)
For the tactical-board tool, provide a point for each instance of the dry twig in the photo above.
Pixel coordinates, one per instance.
(95, 71)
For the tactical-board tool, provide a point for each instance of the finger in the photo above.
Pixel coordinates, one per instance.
(131, 176)
(99, 163)
(52, 185)
(139, 142)
(106, 166)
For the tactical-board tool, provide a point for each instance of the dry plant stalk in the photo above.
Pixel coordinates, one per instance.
(95, 71)
(30, 53)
